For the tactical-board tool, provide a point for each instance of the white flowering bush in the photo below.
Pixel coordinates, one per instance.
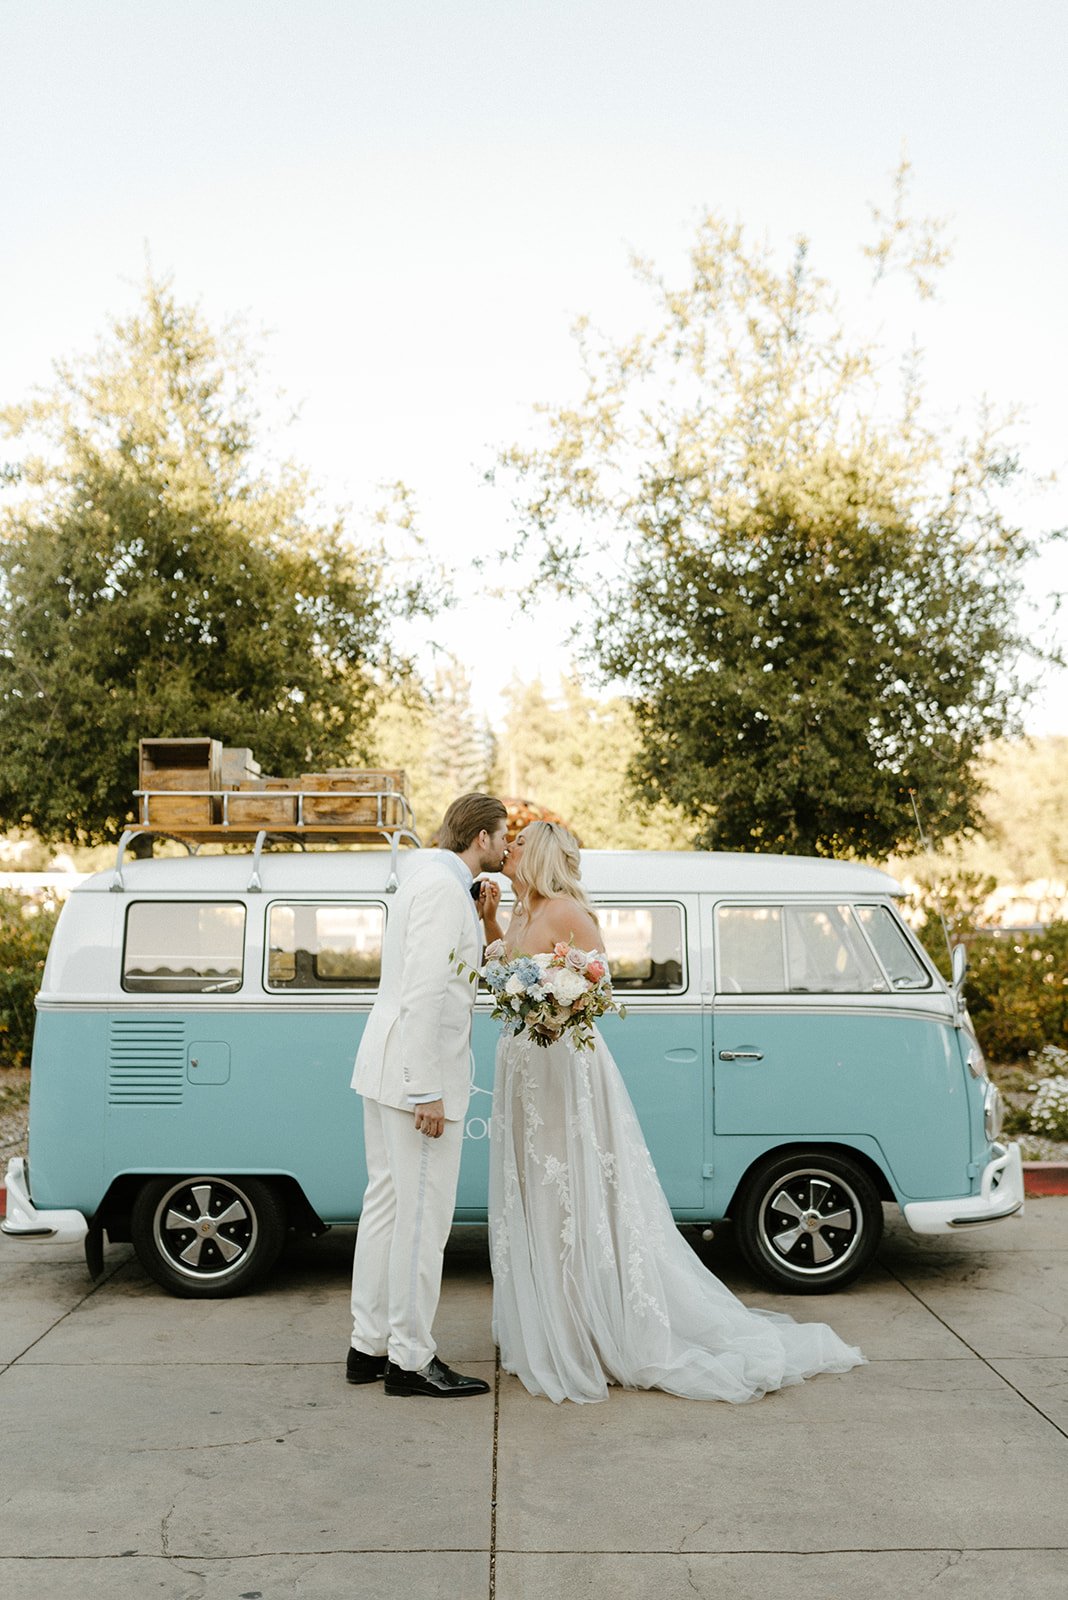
(1049, 1109)
(1049, 1062)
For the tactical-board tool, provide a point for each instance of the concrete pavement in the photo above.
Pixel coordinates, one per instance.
(181, 1449)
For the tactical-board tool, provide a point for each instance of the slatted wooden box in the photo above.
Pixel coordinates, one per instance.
(182, 810)
(180, 764)
(360, 805)
(239, 768)
(257, 805)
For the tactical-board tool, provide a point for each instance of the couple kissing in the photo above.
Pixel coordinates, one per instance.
(592, 1283)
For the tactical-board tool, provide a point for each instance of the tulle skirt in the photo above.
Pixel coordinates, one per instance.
(592, 1282)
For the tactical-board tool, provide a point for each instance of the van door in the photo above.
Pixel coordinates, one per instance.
(658, 1046)
(810, 1041)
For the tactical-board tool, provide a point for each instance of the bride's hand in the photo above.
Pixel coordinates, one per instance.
(489, 898)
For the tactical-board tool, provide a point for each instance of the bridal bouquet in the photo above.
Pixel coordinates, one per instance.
(555, 995)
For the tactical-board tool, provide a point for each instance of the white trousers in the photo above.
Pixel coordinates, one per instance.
(407, 1214)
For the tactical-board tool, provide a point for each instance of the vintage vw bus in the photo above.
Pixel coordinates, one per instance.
(794, 1057)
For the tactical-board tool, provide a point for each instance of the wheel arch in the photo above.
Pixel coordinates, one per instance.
(829, 1147)
(114, 1211)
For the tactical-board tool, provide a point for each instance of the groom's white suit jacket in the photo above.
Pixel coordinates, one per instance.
(417, 1041)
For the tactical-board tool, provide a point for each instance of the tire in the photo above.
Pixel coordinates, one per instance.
(207, 1237)
(808, 1223)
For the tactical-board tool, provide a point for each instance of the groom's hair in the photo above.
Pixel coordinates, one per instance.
(466, 818)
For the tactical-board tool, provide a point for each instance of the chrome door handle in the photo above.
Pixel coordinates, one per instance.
(741, 1055)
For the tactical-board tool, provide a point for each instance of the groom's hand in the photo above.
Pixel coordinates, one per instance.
(430, 1119)
(489, 898)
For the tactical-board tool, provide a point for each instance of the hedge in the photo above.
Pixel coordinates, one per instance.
(26, 925)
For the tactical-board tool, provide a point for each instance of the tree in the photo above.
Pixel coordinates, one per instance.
(810, 592)
(571, 752)
(155, 580)
(461, 747)
(434, 734)
(1025, 812)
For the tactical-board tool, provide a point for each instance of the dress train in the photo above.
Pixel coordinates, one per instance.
(592, 1282)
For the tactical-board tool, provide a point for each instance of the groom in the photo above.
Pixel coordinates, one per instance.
(414, 1073)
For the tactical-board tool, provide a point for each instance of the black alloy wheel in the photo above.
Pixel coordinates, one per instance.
(808, 1222)
(207, 1237)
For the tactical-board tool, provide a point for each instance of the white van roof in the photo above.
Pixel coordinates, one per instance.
(603, 872)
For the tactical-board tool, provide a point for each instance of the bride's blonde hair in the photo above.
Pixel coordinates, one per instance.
(550, 864)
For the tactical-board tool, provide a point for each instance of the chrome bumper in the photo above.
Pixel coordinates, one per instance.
(24, 1221)
(1001, 1194)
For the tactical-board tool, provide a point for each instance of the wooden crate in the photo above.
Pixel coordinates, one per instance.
(354, 810)
(180, 764)
(254, 805)
(357, 780)
(181, 810)
(238, 767)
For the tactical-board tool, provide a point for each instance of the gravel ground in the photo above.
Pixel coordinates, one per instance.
(14, 1112)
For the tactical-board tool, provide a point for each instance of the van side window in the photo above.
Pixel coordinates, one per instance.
(644, 945)
(794, 950)
(183, 947)
(751, 957)
(902, 964)
(327, 946)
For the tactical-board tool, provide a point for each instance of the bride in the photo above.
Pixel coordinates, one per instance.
(592, 1282)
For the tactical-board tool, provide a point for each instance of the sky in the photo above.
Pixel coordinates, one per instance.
(412, 203)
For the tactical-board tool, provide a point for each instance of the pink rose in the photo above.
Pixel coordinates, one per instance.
(576, 959)
(560, 949)
(595, 970)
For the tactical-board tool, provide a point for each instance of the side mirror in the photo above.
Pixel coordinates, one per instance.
(960, 966)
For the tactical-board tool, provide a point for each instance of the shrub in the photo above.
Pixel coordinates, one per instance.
(1017, 983)
(1017, 991)
(26, 925)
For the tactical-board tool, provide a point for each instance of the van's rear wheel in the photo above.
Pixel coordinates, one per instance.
(207, 1237)
(808, 1223)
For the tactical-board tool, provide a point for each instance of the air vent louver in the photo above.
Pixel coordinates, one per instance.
(146, 1063)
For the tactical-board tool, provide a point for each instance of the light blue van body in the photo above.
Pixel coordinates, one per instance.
(134, 1076)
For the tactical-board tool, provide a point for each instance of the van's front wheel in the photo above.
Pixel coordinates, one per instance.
(207, 1237)
(808, 1223)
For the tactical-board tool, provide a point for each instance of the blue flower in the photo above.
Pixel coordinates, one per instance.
(528, 972)
(496, 975)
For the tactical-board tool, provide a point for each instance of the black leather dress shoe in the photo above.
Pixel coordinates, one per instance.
(433, 1379)
(361, 1368)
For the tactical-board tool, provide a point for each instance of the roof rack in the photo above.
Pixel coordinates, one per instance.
(338, 815)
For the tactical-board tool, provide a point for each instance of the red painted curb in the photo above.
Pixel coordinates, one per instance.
(3, 1199)
(1045, 1177)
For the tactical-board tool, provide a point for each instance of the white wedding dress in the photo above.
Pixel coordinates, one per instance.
(592, 1282)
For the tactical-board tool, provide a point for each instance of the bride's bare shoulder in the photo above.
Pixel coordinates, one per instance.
(566, 919)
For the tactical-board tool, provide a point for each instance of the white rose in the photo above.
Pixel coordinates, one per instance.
(544, 959)
(514, 986)
(565, 984)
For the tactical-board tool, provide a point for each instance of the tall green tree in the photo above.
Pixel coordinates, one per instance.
(461, 747)
(809, 590)
(570, 751)
(157, 579)
(433, 732)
